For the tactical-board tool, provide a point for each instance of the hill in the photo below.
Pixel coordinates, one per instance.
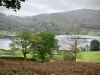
(58, 23)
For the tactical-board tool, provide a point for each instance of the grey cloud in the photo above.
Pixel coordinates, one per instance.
(93, 4)
(34, 7)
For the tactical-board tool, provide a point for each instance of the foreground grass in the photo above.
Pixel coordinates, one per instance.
(50, 68)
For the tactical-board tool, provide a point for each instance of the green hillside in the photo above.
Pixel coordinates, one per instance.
(58, 23)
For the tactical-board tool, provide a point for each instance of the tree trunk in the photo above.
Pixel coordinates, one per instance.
(75, 48)
(75, 54)
(43, 58)
(24, 56)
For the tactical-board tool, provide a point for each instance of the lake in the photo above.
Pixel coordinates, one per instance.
(84, 41)
(4, 42)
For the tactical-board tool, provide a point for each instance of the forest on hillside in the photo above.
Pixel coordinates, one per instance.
(58, 23)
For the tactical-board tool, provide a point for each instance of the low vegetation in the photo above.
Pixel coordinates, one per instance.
(68, 57)
(15, 65)
(50, 68)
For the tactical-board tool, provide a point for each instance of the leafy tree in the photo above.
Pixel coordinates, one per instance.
(13, 4)
(94, 45)
(13, 45)
(22, 42)
(44, 43)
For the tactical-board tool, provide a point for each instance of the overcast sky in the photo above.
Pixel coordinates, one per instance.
(35, 7)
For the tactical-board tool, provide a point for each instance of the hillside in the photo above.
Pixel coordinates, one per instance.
(58, 23)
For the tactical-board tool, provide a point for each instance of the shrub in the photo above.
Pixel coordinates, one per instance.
(68, 57)
(47, 59)
(94, 45)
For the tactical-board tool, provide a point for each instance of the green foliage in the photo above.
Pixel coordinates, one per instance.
(45, 43)
(47, 59)
(94, 45)
(69, 57)
(22, 42)
(13, 4)
(42, 44)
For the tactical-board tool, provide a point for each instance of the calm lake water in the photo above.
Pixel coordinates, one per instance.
(85, 40)
(4, 42)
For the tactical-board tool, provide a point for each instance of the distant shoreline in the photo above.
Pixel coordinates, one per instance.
(7, 36)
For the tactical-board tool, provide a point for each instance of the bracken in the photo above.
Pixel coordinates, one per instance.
(48, 68)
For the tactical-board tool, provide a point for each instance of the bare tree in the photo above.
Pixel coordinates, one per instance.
(75, 40)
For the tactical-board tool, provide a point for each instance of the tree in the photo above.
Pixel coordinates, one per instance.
(45, 43)
(74, 40)
(22, 42)
(13, 46)
(94, 45)
(13, 4)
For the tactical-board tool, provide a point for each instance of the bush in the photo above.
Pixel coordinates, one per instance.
(94, 45)
(47, 59)
(68, 57)
(36, 58)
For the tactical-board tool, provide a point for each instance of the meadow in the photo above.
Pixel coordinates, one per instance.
(92, 56)
(87, 56)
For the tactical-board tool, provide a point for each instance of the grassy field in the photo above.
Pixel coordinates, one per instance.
(94, 33)
(92, 56)
(4, 32)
